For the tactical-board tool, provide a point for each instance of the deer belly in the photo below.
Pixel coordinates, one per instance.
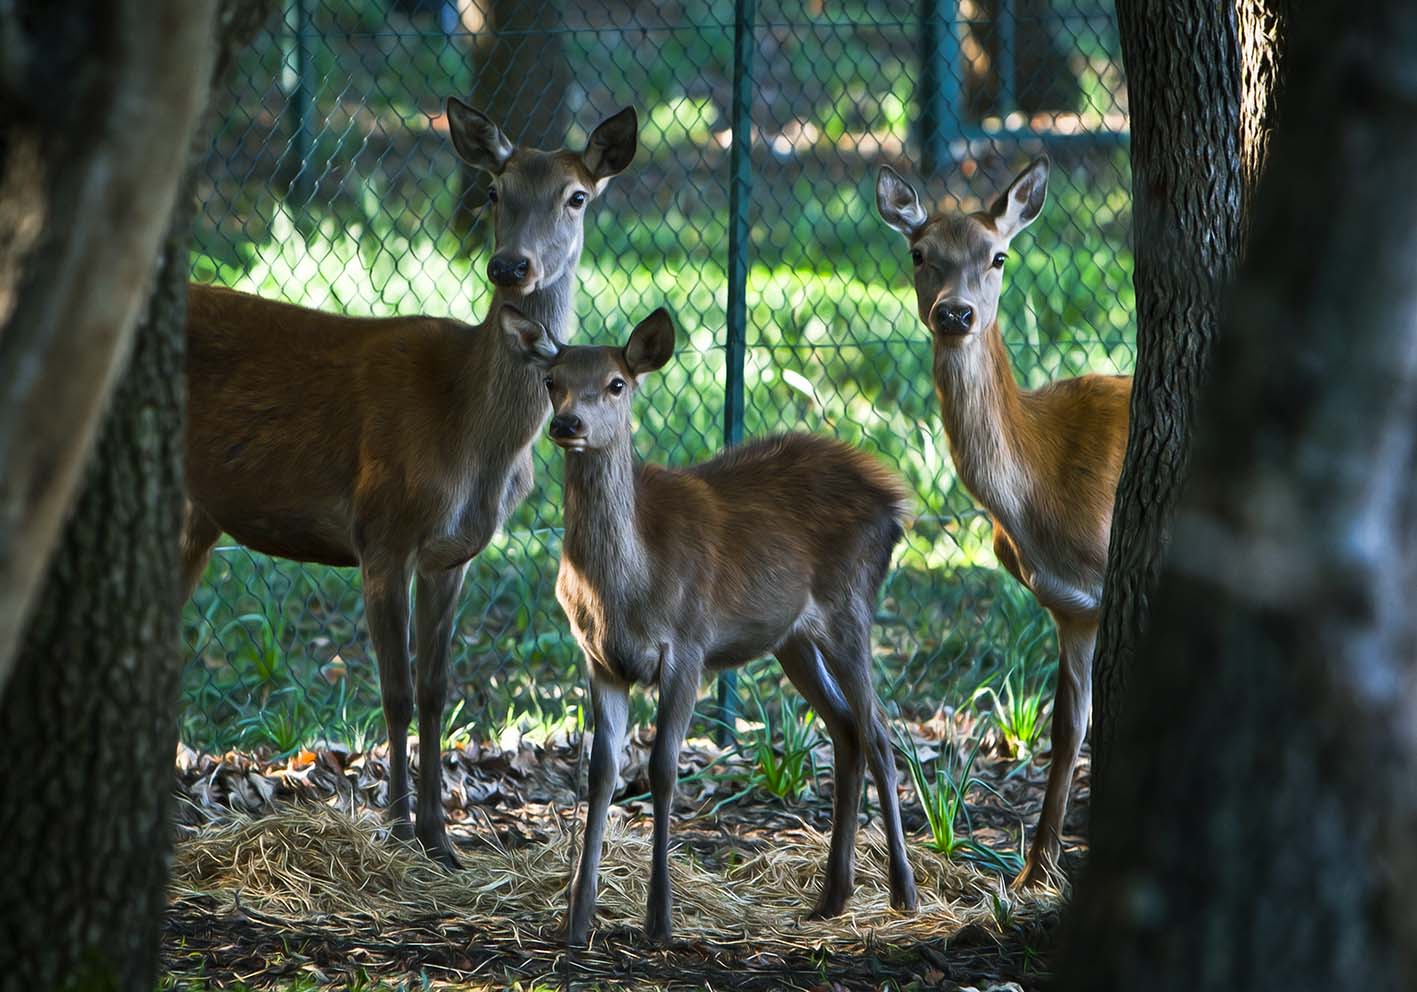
(291, 534)
(747, 641)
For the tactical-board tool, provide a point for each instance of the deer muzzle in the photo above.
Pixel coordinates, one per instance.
(952, 317)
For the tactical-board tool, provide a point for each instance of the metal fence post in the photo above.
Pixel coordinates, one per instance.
(300, 98)
(1007, 35)
(938, 93)
(740, 188)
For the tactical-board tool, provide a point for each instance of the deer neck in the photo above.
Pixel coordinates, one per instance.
(554, 305)
(984, 414)
(507, 399)
(602, 540)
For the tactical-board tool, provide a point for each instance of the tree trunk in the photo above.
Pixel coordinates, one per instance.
(1258, 827)
(519, 79)
(1202, 83)
(1043, 79)
(1264, 26)
(97, 104)
(88, 719)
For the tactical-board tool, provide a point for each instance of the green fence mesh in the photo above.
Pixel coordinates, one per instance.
(331, 183)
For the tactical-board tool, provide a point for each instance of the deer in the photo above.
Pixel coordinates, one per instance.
(775, 547)
(1044, 463)
(395, 445)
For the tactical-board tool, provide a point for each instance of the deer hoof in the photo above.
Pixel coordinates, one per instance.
(905, 900)
(1037, 871)
(828, 906)
(402, 830)
(443, 855)
(658, 930)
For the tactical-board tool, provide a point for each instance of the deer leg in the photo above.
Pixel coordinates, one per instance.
(435, 601)
(881, 758)
(386, 612)
(851, 667)
(610, 707)
(199, 536)
(1071, 705)
(678, 688)
(802, 660)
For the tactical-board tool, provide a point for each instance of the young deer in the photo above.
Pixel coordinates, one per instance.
(400, 444)
(1044, 463)
(775, 547)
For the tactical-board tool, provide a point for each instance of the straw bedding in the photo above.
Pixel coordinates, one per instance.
(335, 887)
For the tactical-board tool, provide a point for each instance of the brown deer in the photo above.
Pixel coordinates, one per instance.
(778, 547)
(1044, 463)
(399, 445)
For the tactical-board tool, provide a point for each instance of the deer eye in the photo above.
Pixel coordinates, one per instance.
(999, 259)
(916, 256)
(617, 386)
(578, 199)
(548, 381)
(491, 194)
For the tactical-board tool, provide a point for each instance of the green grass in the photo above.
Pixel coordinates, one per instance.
(943, 796)
(781, 744)
(279, 651)
(1019, 692)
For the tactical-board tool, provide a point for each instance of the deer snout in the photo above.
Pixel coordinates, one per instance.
(508, 270)
(952, 317)
(567, 429)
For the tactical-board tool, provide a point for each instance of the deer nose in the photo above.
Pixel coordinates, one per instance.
(567, 426)
(508, 270)
(952, 317)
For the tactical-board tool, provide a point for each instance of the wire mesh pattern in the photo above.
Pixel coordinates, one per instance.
(331, 183)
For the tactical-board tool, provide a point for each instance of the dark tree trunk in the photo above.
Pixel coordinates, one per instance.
(1202, 81)
(1258, 829)
(519, 79)
(88, 718)
(98, 99)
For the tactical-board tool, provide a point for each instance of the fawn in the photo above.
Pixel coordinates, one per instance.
(399, 445)
(779, 546)
(1044, 462)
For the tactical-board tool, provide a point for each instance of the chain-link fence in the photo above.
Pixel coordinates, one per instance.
(749, 211)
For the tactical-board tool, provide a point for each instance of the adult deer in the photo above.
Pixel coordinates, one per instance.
(399, 445)
(1044, 462)
(774, 547)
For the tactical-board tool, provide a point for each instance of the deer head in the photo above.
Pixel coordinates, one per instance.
(539, 198)
(591, 387)
(959, 258)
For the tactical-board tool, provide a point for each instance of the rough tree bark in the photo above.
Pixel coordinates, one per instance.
(519, 79)
(97, 103)
(88, 720)
(1202, 80)
(1260, 828)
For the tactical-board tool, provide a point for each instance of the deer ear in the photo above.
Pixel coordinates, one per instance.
(651, 343)
(898, 203)
(1020, 204)
(479, 142)
(527, 338)
(612, 145)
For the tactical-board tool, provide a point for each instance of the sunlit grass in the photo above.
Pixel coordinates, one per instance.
(834, 346)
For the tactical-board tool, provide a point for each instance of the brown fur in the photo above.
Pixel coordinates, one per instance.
(779, 546)
(1044, 463)
(400, 444)
(318, 437)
